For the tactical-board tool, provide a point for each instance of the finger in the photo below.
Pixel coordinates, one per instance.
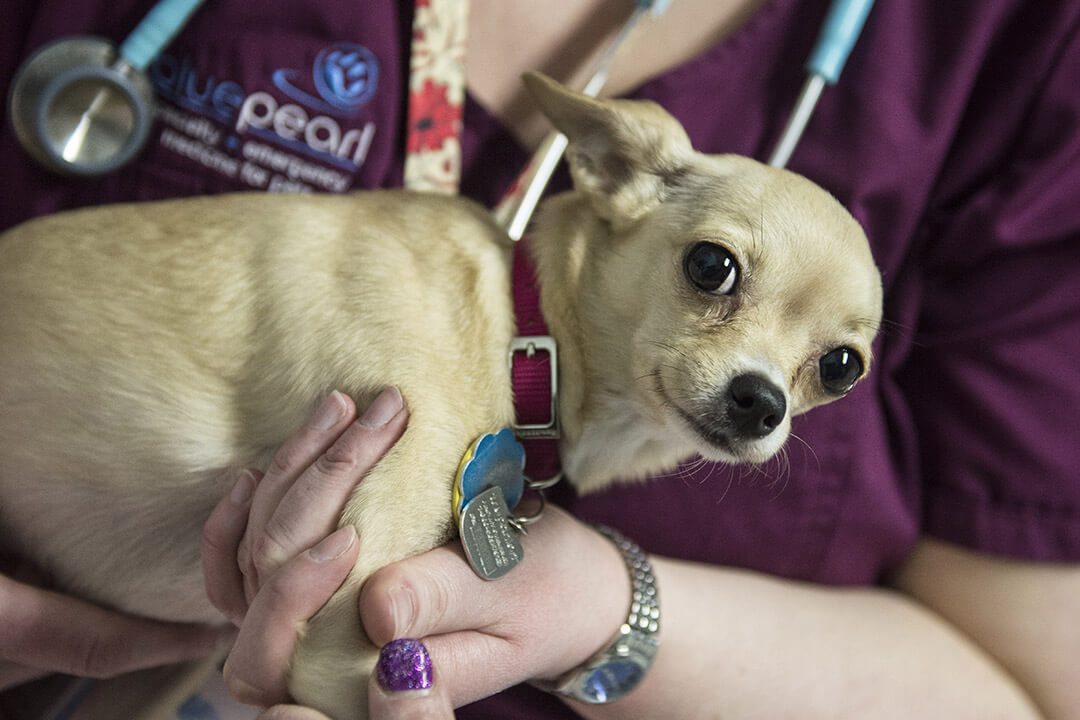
(221, 538)
(311, 508)
(13, 674)
(59, 633)
(475, 665)
(404, 685)
(255, 671)
(293, 457)
(437, 596)
(422, 597)
(298, 452)
(291, 712)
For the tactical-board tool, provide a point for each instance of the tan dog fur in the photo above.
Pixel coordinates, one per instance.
(149, 350)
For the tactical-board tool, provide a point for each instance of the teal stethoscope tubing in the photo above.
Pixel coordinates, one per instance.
(842, 28)
(156, 30)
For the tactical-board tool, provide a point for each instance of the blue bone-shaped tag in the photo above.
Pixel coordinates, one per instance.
(493, 460)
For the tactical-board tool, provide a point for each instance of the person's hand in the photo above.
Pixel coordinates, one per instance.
(563, 602)
(298, 502)
(44, 632)
(291, 560)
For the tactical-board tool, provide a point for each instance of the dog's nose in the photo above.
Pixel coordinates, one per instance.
(755, 406)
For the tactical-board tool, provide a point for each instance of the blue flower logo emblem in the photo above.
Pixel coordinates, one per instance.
(345, 76)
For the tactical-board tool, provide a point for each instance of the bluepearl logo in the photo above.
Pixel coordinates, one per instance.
(257, 139)
(345, 75)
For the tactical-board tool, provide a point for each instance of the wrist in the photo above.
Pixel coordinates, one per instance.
(586, 590)
(623, 660)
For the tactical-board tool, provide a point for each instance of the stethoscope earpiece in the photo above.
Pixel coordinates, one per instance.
(80, 107)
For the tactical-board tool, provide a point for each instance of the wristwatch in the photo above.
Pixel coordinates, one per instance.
(618, 668)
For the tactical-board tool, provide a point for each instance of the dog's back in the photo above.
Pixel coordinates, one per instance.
(145, 348)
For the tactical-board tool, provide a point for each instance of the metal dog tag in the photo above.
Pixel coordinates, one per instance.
(490, 541)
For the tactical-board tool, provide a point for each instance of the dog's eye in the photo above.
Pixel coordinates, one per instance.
(712, 268)
(840, 368)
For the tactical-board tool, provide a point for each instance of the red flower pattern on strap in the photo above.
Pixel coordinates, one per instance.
(433, 119)
(436, 95)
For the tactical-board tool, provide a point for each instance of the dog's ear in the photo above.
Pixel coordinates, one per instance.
(623, 153)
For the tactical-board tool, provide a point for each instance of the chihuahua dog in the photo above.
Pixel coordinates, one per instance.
(149, 350)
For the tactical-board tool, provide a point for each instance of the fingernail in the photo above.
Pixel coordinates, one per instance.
(242, 490)
(383, 410)
(401, 608)
(405, 665)
(335, 545)
(330, 412)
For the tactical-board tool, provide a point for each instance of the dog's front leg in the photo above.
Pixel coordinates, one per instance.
(402, 508)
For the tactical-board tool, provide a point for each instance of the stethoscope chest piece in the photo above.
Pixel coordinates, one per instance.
(78, 109)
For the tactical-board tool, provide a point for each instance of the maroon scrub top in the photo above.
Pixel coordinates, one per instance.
(953, 136)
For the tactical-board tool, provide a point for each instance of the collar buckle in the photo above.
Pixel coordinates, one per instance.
(530, 345)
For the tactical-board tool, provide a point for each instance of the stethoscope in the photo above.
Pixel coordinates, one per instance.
(81, 108)
(841, 29)
(837, 37)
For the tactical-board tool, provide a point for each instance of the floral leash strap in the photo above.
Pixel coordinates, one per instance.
(436, 96)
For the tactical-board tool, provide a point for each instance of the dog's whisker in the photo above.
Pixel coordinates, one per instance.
(687, 470)
(651, 375)
(749, 472)
(671, 348)
(727, 488)
(807, 445)
(755, 237)
(890, 328)
(761, 220)
(783, 473)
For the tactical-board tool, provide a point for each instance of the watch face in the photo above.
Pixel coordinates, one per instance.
(612, 679)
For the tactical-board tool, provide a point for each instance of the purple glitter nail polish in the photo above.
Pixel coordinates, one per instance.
(404, 665)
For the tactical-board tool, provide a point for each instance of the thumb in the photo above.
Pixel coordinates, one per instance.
(404, 685)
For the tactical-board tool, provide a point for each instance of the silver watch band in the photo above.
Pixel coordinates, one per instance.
(620, 666)
(645, 599)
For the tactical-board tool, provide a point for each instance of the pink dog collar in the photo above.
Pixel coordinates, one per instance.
(534, 374)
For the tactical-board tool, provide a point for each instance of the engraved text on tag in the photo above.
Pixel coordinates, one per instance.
(491, 545)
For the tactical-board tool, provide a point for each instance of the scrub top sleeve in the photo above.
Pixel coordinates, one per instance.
(994, 376)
